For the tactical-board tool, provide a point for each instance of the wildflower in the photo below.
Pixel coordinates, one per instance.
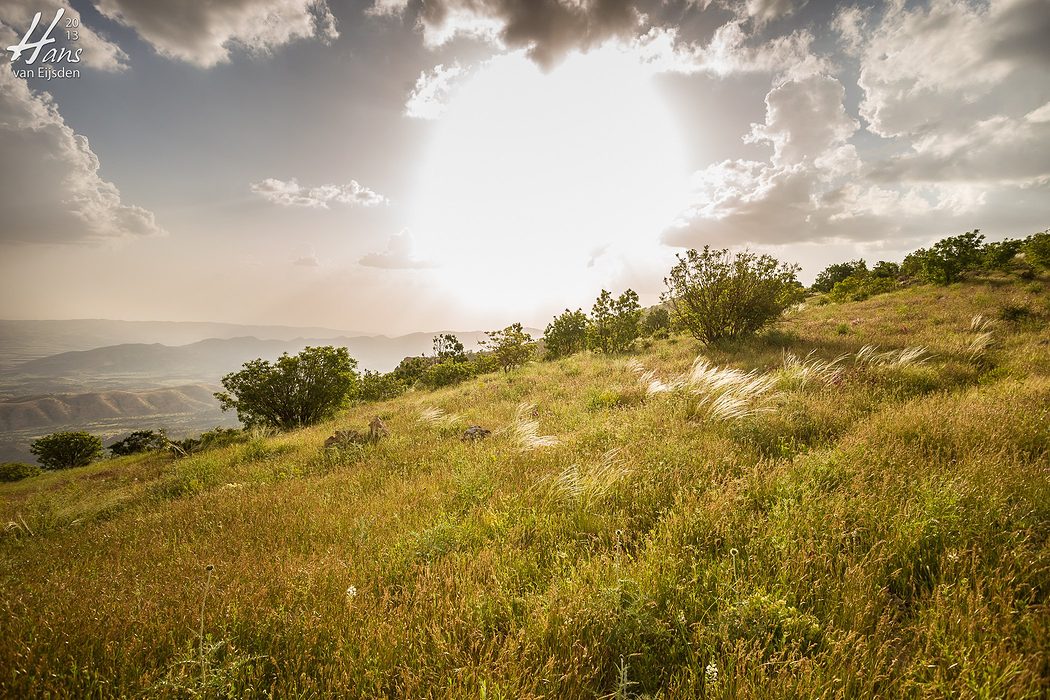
(351, 592)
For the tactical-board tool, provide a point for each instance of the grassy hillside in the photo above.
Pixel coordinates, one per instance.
(876, 528)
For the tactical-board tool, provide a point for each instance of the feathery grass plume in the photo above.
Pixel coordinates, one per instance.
(526, 429)
(981, 324)
(797, 373)
(648, 378)
(979, 345)
(437, 415)
(905, 357)
(584, 486)
(726, 393)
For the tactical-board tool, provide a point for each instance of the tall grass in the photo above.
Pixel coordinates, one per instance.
(857, 519)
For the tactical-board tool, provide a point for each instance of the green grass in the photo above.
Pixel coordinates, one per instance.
(878, 531)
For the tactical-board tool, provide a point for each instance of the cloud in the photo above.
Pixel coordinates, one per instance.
(926, 67)
(764, 11)
(52, 191)
(203, 33)
(547, 29)
(779, 200)
(290, 193)
(730, 51)
(805, 119)
(307, 261)
(997, 150)
(16, 16)
(429, 98)
(399, 255)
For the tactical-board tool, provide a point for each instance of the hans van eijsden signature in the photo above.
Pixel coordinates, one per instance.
(51, 56)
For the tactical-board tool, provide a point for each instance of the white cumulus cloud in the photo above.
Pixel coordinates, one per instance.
(203, 33)
(290, 193)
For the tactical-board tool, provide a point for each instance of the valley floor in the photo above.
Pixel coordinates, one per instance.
(853, 523)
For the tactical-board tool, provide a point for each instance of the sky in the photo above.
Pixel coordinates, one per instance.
(389, 166)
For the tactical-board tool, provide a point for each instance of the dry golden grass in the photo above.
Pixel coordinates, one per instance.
(878, 529)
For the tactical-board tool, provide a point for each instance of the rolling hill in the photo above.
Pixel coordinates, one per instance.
(853, 504)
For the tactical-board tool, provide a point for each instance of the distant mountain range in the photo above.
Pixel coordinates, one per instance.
(111, 377)
(27, 340)
(208, 360)
(72, 409)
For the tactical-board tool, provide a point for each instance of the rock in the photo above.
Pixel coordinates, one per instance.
(475, 432)
(343, 438)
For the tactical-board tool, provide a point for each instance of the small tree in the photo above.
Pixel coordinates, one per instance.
(614, 322)
(835, 273)
(656, 320)
(511, 347)
(566, 334)
(715, 294)
(1036, 249)
(140, 441)
(410, 369)
(446, 374)
(886, 270)
(293, 392)
(448, 347)
(65, 450)
(375, 386)
(947, 259)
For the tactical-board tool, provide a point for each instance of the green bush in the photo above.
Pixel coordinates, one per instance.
(860, 287)
(837, 272)
(999, 254)
(293, 392)
(566, 334)
(209, 440)
(947, 259)
(510, 347)
(16, 471)
(656, 322)
(613, 325)
(376, 386)
(140, 441)
(715, 294)
(65, 450)
(1036, 249)
(446, 374)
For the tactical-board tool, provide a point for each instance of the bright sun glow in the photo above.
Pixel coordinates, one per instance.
(537, 186)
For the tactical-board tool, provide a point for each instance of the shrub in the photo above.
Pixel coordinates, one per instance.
(999, 254)
(448, 347)
(16, 471)
(208, 440)
(566, 334)
(945, 262)
(613, 325)
(293, 392)
(140, 441)
(65, 450)
(446, 374)
(656, 320)
(886, 270)
(860, 287)
(837, 272)
(376, 386)
(715, 294)
(410, 369)
(1036, 249)
(510, 347)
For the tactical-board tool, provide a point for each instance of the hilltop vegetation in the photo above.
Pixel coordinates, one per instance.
(853, 503)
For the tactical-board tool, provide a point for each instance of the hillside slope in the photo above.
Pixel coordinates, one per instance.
(64, 409)
(879, 527)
